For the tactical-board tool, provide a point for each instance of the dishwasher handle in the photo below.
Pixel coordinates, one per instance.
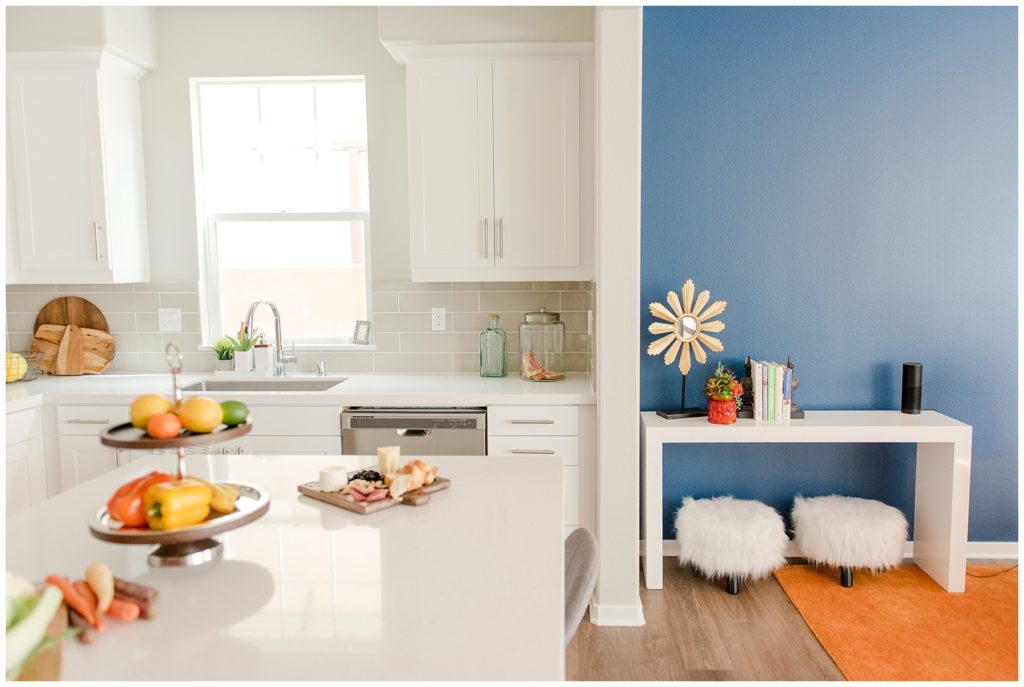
(412, 433)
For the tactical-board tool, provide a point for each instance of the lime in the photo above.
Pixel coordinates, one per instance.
(235, 413)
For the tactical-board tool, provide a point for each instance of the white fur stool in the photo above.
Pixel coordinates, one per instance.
(849, 532)
(731, 538)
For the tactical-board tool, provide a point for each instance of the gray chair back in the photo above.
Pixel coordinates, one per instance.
(580, 577)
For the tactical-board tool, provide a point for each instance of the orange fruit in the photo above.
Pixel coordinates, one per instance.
(145, 407)
(200, 414)
(163, 426)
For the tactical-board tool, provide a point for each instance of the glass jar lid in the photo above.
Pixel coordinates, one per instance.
(541, 316)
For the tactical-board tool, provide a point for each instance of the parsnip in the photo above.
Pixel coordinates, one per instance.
(101, 581)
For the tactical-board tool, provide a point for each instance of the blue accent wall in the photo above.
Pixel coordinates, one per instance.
(846, 178)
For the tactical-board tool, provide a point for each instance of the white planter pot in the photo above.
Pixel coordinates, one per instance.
(243, 361)
(224, 365)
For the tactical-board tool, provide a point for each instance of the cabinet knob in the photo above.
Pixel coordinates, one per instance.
(97, 231)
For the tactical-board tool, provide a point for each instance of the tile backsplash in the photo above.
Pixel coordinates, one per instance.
(400, 323)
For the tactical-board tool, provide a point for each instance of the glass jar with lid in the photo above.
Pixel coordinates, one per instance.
(542, 342)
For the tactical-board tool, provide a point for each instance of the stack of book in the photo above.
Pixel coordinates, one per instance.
(772, 384)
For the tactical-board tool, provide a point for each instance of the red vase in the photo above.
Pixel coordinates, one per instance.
(721, 412)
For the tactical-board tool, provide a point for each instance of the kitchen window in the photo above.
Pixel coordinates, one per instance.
(282, 192)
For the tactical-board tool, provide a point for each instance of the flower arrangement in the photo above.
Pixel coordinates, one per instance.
(246, 339)
(723, 386)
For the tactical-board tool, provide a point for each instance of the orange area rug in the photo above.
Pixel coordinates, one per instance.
(901, 625)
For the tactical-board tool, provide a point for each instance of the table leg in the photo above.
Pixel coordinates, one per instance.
(652, 555)
(941, 500)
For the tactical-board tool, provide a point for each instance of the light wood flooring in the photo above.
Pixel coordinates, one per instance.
(697, 631)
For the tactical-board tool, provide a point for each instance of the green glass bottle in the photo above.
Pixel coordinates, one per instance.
(492, 349)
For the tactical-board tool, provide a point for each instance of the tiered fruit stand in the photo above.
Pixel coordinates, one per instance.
(187, 546)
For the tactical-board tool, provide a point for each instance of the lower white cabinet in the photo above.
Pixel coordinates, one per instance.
(26, 469)
(83, 457)
(285, 445)
(542, 430)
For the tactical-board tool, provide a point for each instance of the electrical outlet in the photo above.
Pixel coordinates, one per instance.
(170, 319)
(437, 319)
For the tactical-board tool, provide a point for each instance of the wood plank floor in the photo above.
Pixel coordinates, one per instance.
(697, 631)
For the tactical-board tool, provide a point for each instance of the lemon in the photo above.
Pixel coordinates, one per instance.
(145, 407)
(235, 413)
(200, 414)
(16, 367)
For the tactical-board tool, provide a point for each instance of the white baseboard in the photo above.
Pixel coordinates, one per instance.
(623, 616)
(975, 549)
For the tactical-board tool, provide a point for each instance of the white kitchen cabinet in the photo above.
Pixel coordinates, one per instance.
(496, 169)
(83, 457)
(543, 430)
(77, 181)
(26, 470)
(287, 445)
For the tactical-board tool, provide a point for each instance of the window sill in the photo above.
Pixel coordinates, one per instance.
(316, 347)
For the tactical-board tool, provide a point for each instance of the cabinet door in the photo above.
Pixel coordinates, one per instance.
(84, 457)
(57, 162)
(537, 163)
(26, 474)
(451, 196)
(293, 445)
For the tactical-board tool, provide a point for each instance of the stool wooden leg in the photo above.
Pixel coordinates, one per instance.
(732, 585)
(846, 576)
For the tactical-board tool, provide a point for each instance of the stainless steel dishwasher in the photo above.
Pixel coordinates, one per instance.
(418, 431)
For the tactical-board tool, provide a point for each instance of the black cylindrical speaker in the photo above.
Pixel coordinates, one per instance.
(912, 373)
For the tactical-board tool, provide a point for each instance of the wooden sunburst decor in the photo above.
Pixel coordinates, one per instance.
(686, 328)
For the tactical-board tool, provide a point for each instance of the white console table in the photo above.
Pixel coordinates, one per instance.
(941, 492)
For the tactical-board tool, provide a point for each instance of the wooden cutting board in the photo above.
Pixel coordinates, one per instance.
(71, 350)
(72, 310)
(72, 338)
(417, 497)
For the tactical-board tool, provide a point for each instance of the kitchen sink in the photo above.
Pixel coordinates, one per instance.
(277, 384)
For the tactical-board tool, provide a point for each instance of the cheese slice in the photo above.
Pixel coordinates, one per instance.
(389, 458)
(333, 478)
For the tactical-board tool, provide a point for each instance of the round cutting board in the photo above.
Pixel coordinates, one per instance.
(72, 310)
(72, 338)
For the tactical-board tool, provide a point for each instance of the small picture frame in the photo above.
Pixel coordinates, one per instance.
(361, 335)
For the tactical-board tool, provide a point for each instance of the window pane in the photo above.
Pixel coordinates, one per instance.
(289, 181)
(314, 272)
(286, 113)
(230, 116)
(341, 114)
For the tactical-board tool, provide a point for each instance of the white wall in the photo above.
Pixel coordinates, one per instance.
(486, 24)
(268, 41)
(129, 33)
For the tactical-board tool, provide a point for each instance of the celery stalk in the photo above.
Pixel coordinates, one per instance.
(29, 632)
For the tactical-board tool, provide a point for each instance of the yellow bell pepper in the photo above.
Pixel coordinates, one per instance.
(224, 495)
(171, 505)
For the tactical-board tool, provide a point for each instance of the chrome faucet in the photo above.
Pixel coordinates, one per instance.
(280, 359)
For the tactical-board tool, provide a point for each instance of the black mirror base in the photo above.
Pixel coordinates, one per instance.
(677, 413)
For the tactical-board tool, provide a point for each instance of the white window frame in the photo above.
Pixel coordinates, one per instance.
(211, 327)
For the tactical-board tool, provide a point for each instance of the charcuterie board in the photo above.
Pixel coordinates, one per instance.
(417, 497)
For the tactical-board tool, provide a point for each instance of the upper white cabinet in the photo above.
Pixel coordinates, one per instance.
(499, 169)
(76, 171)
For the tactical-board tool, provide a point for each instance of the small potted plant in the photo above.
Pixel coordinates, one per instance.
(725, 396)
(243, 348)
(224, 349)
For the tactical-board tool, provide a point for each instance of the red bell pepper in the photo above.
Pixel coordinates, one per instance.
(125, 505)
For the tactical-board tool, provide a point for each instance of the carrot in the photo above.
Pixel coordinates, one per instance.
(83, 588)
(74, 599)
(125, 611)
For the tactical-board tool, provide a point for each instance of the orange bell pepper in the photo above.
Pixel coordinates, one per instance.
(126, 504)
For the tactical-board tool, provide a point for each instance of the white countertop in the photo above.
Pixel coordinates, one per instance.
(469, 586)
(383, 389)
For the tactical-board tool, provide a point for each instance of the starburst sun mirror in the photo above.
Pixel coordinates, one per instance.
(685, 329)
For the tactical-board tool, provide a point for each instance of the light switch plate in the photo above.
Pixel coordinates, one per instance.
(437, 319)
(170, 319)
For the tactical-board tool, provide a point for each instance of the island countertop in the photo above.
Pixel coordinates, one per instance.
(468, 586)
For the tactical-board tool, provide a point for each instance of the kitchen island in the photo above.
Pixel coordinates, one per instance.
(466, 587)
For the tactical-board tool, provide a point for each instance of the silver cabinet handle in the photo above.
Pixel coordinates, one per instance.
(79, 421)
(544, 451)
(485, 232)
(532, 422)
(501, 238)
(97, 230)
